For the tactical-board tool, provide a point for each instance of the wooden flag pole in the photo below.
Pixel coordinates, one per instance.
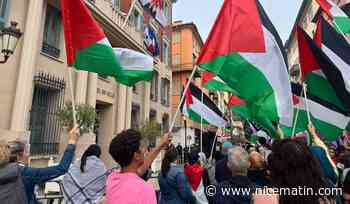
(182, 98)
(306, 103)
(297, 115)
(201, 136)
(70, 81)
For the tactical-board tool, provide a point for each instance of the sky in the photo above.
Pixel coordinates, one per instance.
(203, 13)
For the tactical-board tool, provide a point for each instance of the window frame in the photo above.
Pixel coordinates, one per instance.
(4, 18)
(49, 48)
(165, 41)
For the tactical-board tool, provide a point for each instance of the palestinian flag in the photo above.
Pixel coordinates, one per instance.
(244, 109)
(339, 17)
(201, 110)
(329, 120)
(213, 82)
(336, 55)
(89, 49)
(312, 73)
(245, 51)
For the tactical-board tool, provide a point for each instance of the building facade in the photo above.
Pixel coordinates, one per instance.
(307, 19)
(186, 47)
(34, 84)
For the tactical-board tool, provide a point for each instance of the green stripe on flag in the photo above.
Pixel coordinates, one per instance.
(195, 117)
(342, 24)
(319, 86)
(98, 58)
(130, 77)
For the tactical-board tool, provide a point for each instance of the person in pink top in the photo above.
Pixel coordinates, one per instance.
(126, 186)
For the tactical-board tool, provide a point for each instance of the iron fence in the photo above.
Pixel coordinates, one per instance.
(48, 98)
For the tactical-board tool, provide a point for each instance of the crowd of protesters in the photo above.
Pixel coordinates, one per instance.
(185, 177)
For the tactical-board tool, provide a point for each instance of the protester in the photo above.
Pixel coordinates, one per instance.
(197, 176)
(320, 151)
(179, 152)
(37, 176)
(173, 183)
(222, 173)
(238, 163)
(11, 184)
(128, 150)
(292, 165)
(345, 184)
(257, 170)
(86, 179)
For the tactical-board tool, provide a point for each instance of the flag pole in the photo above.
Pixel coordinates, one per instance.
(306, 103)
(70, 81)
(201, 136)
(182, 99)
(129, 13)
(216, 135)
(297, 115)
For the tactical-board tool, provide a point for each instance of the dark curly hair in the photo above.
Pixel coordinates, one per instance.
(124, 145)
(92, 150)
(292, 165)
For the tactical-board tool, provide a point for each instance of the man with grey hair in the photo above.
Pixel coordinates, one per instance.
(238, 189)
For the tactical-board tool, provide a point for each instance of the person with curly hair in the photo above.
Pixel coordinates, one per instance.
(292, 165)
(126, 186)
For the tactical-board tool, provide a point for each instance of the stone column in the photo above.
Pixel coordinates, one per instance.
(121, 107)
(24, 88)
(146, 101)
(81, 87)
(128, 107)
(92, 89)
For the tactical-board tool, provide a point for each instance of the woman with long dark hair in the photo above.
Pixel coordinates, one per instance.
(85, 181)
(293, 166)
(174, 186)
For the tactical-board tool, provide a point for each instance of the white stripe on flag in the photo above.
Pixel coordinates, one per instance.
(324, 114)
(133, 61)
(343, 67)
(272, 65)
(209, 115)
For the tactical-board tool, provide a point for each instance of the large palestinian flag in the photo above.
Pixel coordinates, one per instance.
(213, 82)
(336, 55)
(198, 107)
(340, 19)
(329, 120)
(245, 51)
(89, 49)
(311, 65)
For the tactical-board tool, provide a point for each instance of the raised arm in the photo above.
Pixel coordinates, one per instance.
(165, 141)
(40, 175)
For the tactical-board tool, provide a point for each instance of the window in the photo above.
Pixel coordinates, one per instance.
(115, 4)
(52, 32)
(154, 87)
(165, 52)
(176, 37)
(177, 86)
(153, 115)
(4, 7)
(166, 10)
(165, 92)
(48, 98)
(176, 59)
(137, 20)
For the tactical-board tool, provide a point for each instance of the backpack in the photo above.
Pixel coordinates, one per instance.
(12, 189)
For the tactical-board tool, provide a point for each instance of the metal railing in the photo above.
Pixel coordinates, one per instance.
(45, 129)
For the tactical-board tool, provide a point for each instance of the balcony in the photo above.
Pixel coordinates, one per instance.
(118, 18)
(50, 50)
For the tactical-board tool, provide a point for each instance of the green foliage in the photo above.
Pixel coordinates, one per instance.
(150, 130)
(85, 114)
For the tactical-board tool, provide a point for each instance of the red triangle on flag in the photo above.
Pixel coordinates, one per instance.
(235, 101)
(308, 62)
(207, 76)
(237, 28)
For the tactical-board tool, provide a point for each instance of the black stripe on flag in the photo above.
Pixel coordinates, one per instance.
(197, 92)
(297, 90)
(334, 41)
(329, 69)
(271, 28)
